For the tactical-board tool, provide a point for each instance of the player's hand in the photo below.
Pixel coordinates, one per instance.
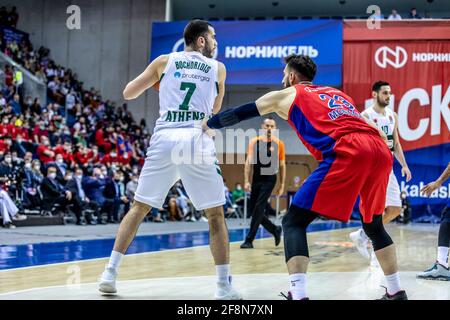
(429, 188)
(405, 171)
(210, 132)
(248, 187)
(280, 190)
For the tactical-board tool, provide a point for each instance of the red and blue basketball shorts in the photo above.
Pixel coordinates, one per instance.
(359, 165)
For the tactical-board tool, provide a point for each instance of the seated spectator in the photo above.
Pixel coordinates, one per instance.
(238, 194)
(82, 156)
(413, 14)
(66, 151)
(44, 151)
(79, 199)
(54, 193)
(94, 156)
(114, 196)
(94, 187)
(30, 184)
(15, 104)
(9, 210)
(61, 168)
(9, 174)
(110, 159)
(394, 15)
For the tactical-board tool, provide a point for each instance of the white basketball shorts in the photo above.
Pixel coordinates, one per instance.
(393, 192)
(181, 153)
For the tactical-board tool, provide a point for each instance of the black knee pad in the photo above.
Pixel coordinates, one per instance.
(377, 234)
(294, 224)
(298, 217)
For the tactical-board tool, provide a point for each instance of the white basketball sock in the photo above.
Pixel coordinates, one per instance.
(115, 260)
(223, 272)
(298, 285)
(442, 256)
(393, 283)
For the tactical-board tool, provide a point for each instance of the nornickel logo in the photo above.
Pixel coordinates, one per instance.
(397, 58)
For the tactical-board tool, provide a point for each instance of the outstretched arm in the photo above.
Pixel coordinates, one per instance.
(275, 101)
(146, 79)
(429, 188)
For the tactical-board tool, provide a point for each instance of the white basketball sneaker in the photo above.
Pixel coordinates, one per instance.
(225, 291)
(107, 282)
(360, 240)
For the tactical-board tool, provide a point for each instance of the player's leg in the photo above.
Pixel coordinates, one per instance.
(205, 188)
(295, 223)
(157, 169)
(373, 200)
(440, 270)
(264, 192)
(392, 210)
(393, 201)
(254, 221)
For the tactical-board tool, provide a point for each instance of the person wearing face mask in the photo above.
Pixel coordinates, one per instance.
(44, 151)
(110, 158)
(7, 171)
(80, 200)
(30, 184)
(19, 146)
(94, 186)
(112, 195)
(61, 168)
(55, 193)
(238, 194)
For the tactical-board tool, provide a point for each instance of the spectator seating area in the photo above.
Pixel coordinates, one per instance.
(76, 154)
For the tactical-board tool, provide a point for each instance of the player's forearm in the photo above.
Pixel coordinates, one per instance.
(398, 153)
(133, 90)
(444, 176)
(233, 116)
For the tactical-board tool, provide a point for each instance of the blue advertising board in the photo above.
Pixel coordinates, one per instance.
(253, 51)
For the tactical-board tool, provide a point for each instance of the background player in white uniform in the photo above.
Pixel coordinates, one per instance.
(191, 87)
(440, 270)
(385, 119)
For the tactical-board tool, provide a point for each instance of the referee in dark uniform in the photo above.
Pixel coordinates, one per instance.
(266, 156)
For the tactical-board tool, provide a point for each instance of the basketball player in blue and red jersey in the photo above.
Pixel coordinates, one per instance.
(349, 149)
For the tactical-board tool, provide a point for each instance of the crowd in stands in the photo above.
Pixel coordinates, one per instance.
(75, 153)
(413, 14)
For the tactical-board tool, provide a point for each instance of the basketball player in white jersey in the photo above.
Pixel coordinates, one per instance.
(191, 87)
(385, 119)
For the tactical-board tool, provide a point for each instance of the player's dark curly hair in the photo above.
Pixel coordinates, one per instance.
(303, 65)
(194, 29)
(377, 85)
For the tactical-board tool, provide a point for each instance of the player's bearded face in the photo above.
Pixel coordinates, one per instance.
(210, 44)
(384, 96)
(208, 50)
